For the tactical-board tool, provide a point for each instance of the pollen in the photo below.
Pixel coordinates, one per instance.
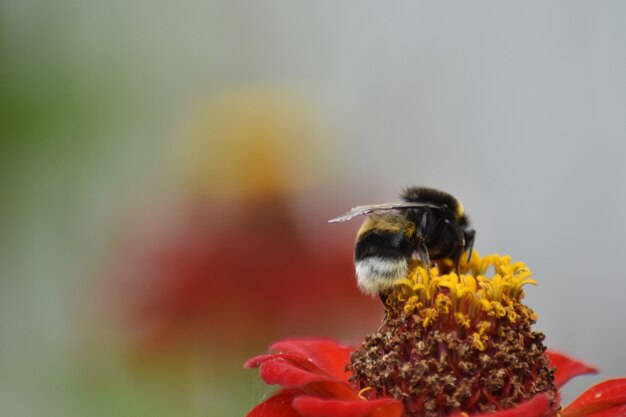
(457, 342)
(477, 342)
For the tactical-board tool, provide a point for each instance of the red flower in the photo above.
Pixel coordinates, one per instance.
(315, 383)
(185, 274)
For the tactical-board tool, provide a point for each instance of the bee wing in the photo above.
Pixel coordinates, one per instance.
(378, 207)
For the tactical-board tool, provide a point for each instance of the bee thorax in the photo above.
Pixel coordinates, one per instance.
(375, 274)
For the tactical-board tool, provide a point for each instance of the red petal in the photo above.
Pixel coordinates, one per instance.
(537, 406)
(288, 374)
(316, 407)
(619, 411)
(328, 355)
(280, 405)
(567, 368)
(291, 370)
(606, 399)
(299, 360)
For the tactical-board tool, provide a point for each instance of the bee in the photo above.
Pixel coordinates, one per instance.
(428, 225)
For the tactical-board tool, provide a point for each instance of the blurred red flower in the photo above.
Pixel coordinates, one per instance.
(201, 272)
(315, 383)
(229, 259)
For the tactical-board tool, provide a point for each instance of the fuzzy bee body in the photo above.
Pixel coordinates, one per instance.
(429, 225)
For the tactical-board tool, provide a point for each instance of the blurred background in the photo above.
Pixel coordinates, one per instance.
(167, 170)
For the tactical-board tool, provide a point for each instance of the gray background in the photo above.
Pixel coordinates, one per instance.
(518, 109)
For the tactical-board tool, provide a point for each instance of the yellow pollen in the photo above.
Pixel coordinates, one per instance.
(483, 326)
(462, 320)
(443, 303)
(510, 311)
(412, 304)
(430, 314)
(478, 343)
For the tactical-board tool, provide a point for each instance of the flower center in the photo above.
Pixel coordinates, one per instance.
(456, 342)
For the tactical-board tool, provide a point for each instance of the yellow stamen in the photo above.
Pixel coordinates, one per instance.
(470, 292)
(478, 343)
(462, 320)
(363, 391)
(431, 315)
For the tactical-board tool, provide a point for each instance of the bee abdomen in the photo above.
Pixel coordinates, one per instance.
(375, 274)
(380, 258)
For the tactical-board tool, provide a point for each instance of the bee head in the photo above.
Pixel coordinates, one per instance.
(435, 197)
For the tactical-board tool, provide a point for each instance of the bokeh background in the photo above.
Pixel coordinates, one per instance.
(167, 170)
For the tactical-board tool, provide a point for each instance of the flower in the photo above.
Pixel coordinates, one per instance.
(315, 384)
(202, 259)
(173, 286)
(450, 345)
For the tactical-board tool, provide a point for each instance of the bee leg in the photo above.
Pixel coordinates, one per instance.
(457, 259)
(459, 250)
(422, 254)
(384, 295)
(469, 241)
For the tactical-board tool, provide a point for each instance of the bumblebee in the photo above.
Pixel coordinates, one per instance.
(429, 225)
